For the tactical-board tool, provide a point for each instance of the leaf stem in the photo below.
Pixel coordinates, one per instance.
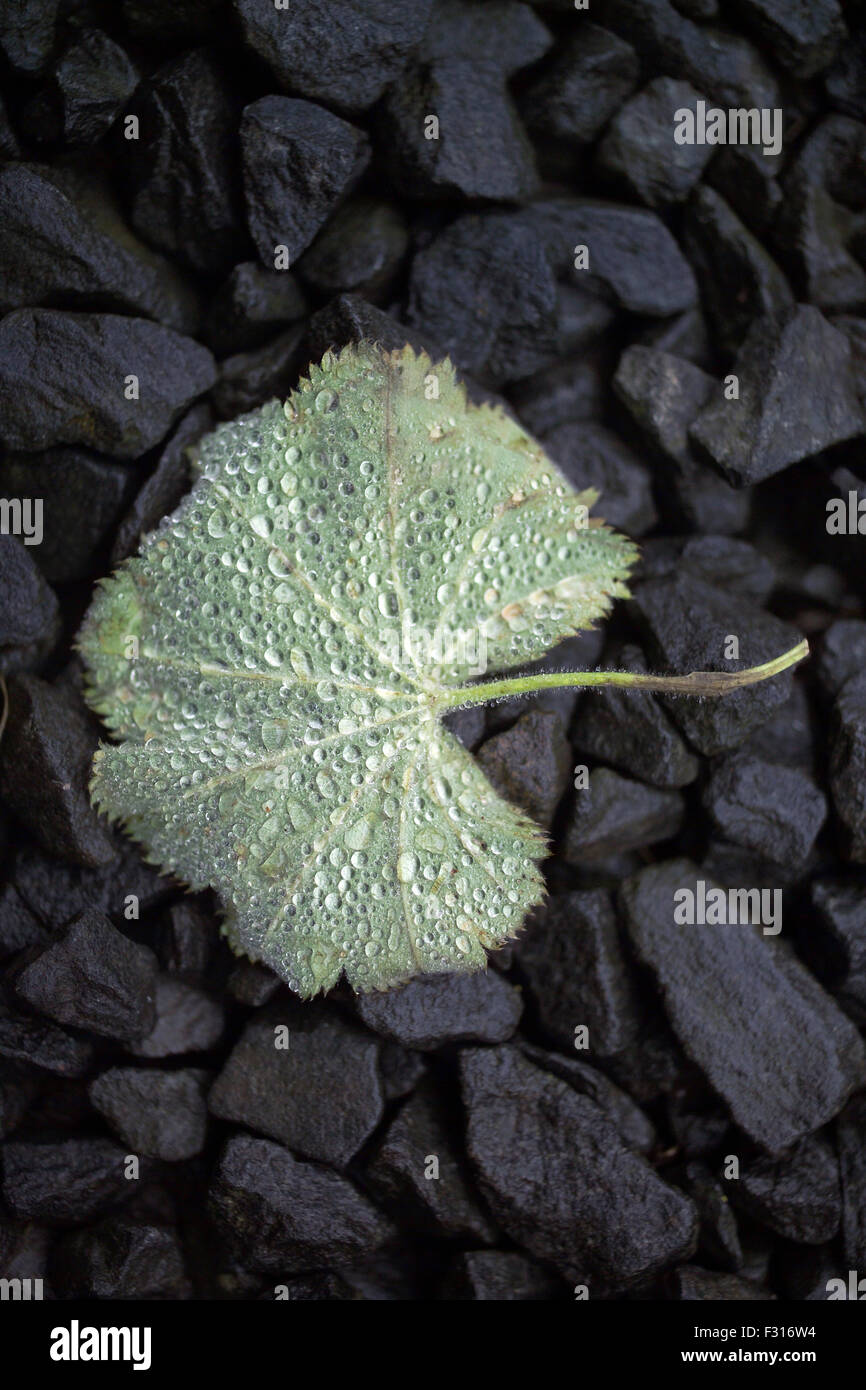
(696, 683)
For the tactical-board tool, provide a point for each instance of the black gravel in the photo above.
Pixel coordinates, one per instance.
(196, 200)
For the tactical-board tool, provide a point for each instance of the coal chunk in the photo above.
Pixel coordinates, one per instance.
(66, 1182)
(797, 398)
(251, 306)
(348, 319)
(186, 942)
(498, 1276)
(165, 486)
(435, 1009)
(310, 1081)
(39, 1044)
(592, 456)
(361, 249)
(719, 1238)
(639, 153)
(27, 33)
(249, 379)
(120, 1259)
(570, 1193)
(438, 1202)
(664, 393)
(740, 282)
(94, 978)
(485, 291)
(748, 181)
(187, 1020)
(182, 177)
(45, 762)
(29, 613)
(840, 909)
(159, 1113)
(774, 811)
(347, 62)
(687, 623)
(770, 1041)
(796, 1196)
(562, 393)
(280, 1215)
(83, 497)
(842, 655)
(298, 160)
(573, 96)
(635, 1128)
(733, 565)
(19, 928)
(42, 403)
(530, 764)
(64, 244)
(56, 892)
(802, 34)
(848, 765)
(615, 814)
(87, 89)
(630, 730)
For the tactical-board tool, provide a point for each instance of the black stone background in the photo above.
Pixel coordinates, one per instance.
(305, 1169)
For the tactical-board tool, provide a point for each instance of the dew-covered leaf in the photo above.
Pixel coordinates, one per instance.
(275, 661)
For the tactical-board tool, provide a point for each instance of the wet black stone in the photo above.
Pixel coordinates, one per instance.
(66, 1182)
(435, 1009)
(279, 1215)
(842, 654)
(635, 1129)
(592, 456)
(252, 305)
(630, 730)
(400, 1070)
(39, 1044)
(83, 497)
(298, 161)
(638, 152)
(347, 62)
(45, 765)
(27, 33)
(721, 64)
(94, 978)
(530, 764)
(615, 814)
(186, 939)
(399, 1172)
(692, 1284)
(739, 281)
(560, 394)
(796, 1196)
(664, 393)
(719, 1240)
(569, 1192)
(797, 398)
(56, 892)
(187, 1020)
(687, 623)
(87, 89)
(159, 1113)
(588, 76)
(803, 35)
(315, 1088)
(502, 35)
(166, 485)
(120, 1259)
(361, 249)
(348, 319)
(252, 984)
(29, 615)
(772, 1044)
(249, 379)
(851, 1147)
(776, 812)
(848, 765)
(840, 908)
(485, 291)
(730, 564)
(497, 1276)
(182, 175)
(634, 261)
(42, 403)
(65, 245)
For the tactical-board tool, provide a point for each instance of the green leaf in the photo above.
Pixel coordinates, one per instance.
(276, 660)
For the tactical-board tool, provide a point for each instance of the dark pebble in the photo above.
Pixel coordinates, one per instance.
(803, 37)
(159, 1113)
(65, 1182)
(570, 1193)
(840, 909)
(842, 654)
(94, 978)
(615, 814)
(27, 33)
(56, 892)
(435, 1009)
(42, 404)
(848, 765)
(796, 1196)
(561, 393)
(730, 564)
(281, 1216)
(29, 614)
(851, 1146)
(361, 250)
(719, 1240)
(40, 1044)
(695, 1285)
(586, 79)
(530, 764)
(88, 87)
(400, 1070)
(165, 486)
(770, 1041)
(592, 456)
(120, 1259)
(776, 812)
(187, 1020)
(252, 984)
(638, 153)
(298, 161)
(249, 379)
(310, 1081)
(19, 929)
(497, 1276)
(634, 1127)
(251, 306)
